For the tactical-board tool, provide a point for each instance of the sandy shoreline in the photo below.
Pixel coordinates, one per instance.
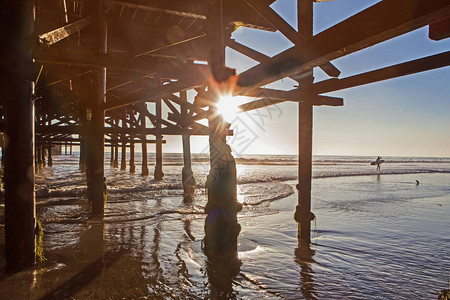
(380, 246)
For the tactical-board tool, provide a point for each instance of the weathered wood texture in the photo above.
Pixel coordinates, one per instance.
(16, 25)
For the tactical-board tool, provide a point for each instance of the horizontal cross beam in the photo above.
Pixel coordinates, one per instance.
(407, 68)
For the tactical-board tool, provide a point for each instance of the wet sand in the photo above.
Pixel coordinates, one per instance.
(375, 237)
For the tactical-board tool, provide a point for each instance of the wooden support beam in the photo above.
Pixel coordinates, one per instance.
(439, 30)
(111, 161)
(77, 74)
(382, 21)
(165, 67)
(235, 13)
(247, 51)
(162, 92)
(171, 107)
(95, 136)
(50, 157)
(56, 35)
(170, 11)
(132, 165)
(187, 176)
(316, 101)
(157, 122)
(143, 128)
(123, 162)
(158, 174)
(303, 212)
(403, 69)
(16, 25)
(255, 55)
(110, 130)
(187, 39)
(116, 155)
(43, 155)
(290, 33)
(83, 158)
(221, 224)
(189, 106)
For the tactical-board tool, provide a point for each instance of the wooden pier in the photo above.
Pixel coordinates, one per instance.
(97, 73)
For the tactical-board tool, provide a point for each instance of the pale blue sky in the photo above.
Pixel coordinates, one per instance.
(408, 116)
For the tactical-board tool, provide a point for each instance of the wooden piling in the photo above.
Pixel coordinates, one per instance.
(50, 156)
(144, 147)
(95, 143)
(158, 175)
(16, 95)
(116, 155)
(39, 157)
(221, 226)
(82, 153)
(123, 160)
(132, 165)
(187, 176)
(303, 215)
(111, 161)
(43, 148)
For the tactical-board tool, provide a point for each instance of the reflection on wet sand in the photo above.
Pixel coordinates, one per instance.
(304, 258)
(221, 273)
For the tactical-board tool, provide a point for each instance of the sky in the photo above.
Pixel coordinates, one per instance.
(407, 116)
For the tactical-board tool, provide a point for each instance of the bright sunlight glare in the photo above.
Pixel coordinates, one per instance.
(227, 107)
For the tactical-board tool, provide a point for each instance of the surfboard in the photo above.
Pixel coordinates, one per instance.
(379, 162)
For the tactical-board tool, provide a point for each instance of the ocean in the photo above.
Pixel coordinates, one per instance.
(375, 236)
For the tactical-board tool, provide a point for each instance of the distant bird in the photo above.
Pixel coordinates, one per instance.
(417, 182)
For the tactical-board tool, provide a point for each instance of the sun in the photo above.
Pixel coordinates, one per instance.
(227, 107)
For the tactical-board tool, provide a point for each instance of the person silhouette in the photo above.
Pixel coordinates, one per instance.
(378, 163)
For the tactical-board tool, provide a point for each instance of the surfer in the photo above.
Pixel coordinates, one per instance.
(378, 163)
(417, 182)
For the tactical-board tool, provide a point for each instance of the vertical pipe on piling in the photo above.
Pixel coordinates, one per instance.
(16, 94)
(95, 170)
(158, 175)
(49, 150)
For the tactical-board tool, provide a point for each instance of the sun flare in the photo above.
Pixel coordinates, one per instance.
(227, 107)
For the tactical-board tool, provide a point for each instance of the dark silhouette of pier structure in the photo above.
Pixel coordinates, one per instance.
(97, 73)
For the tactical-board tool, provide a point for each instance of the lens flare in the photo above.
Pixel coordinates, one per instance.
(227, 107)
